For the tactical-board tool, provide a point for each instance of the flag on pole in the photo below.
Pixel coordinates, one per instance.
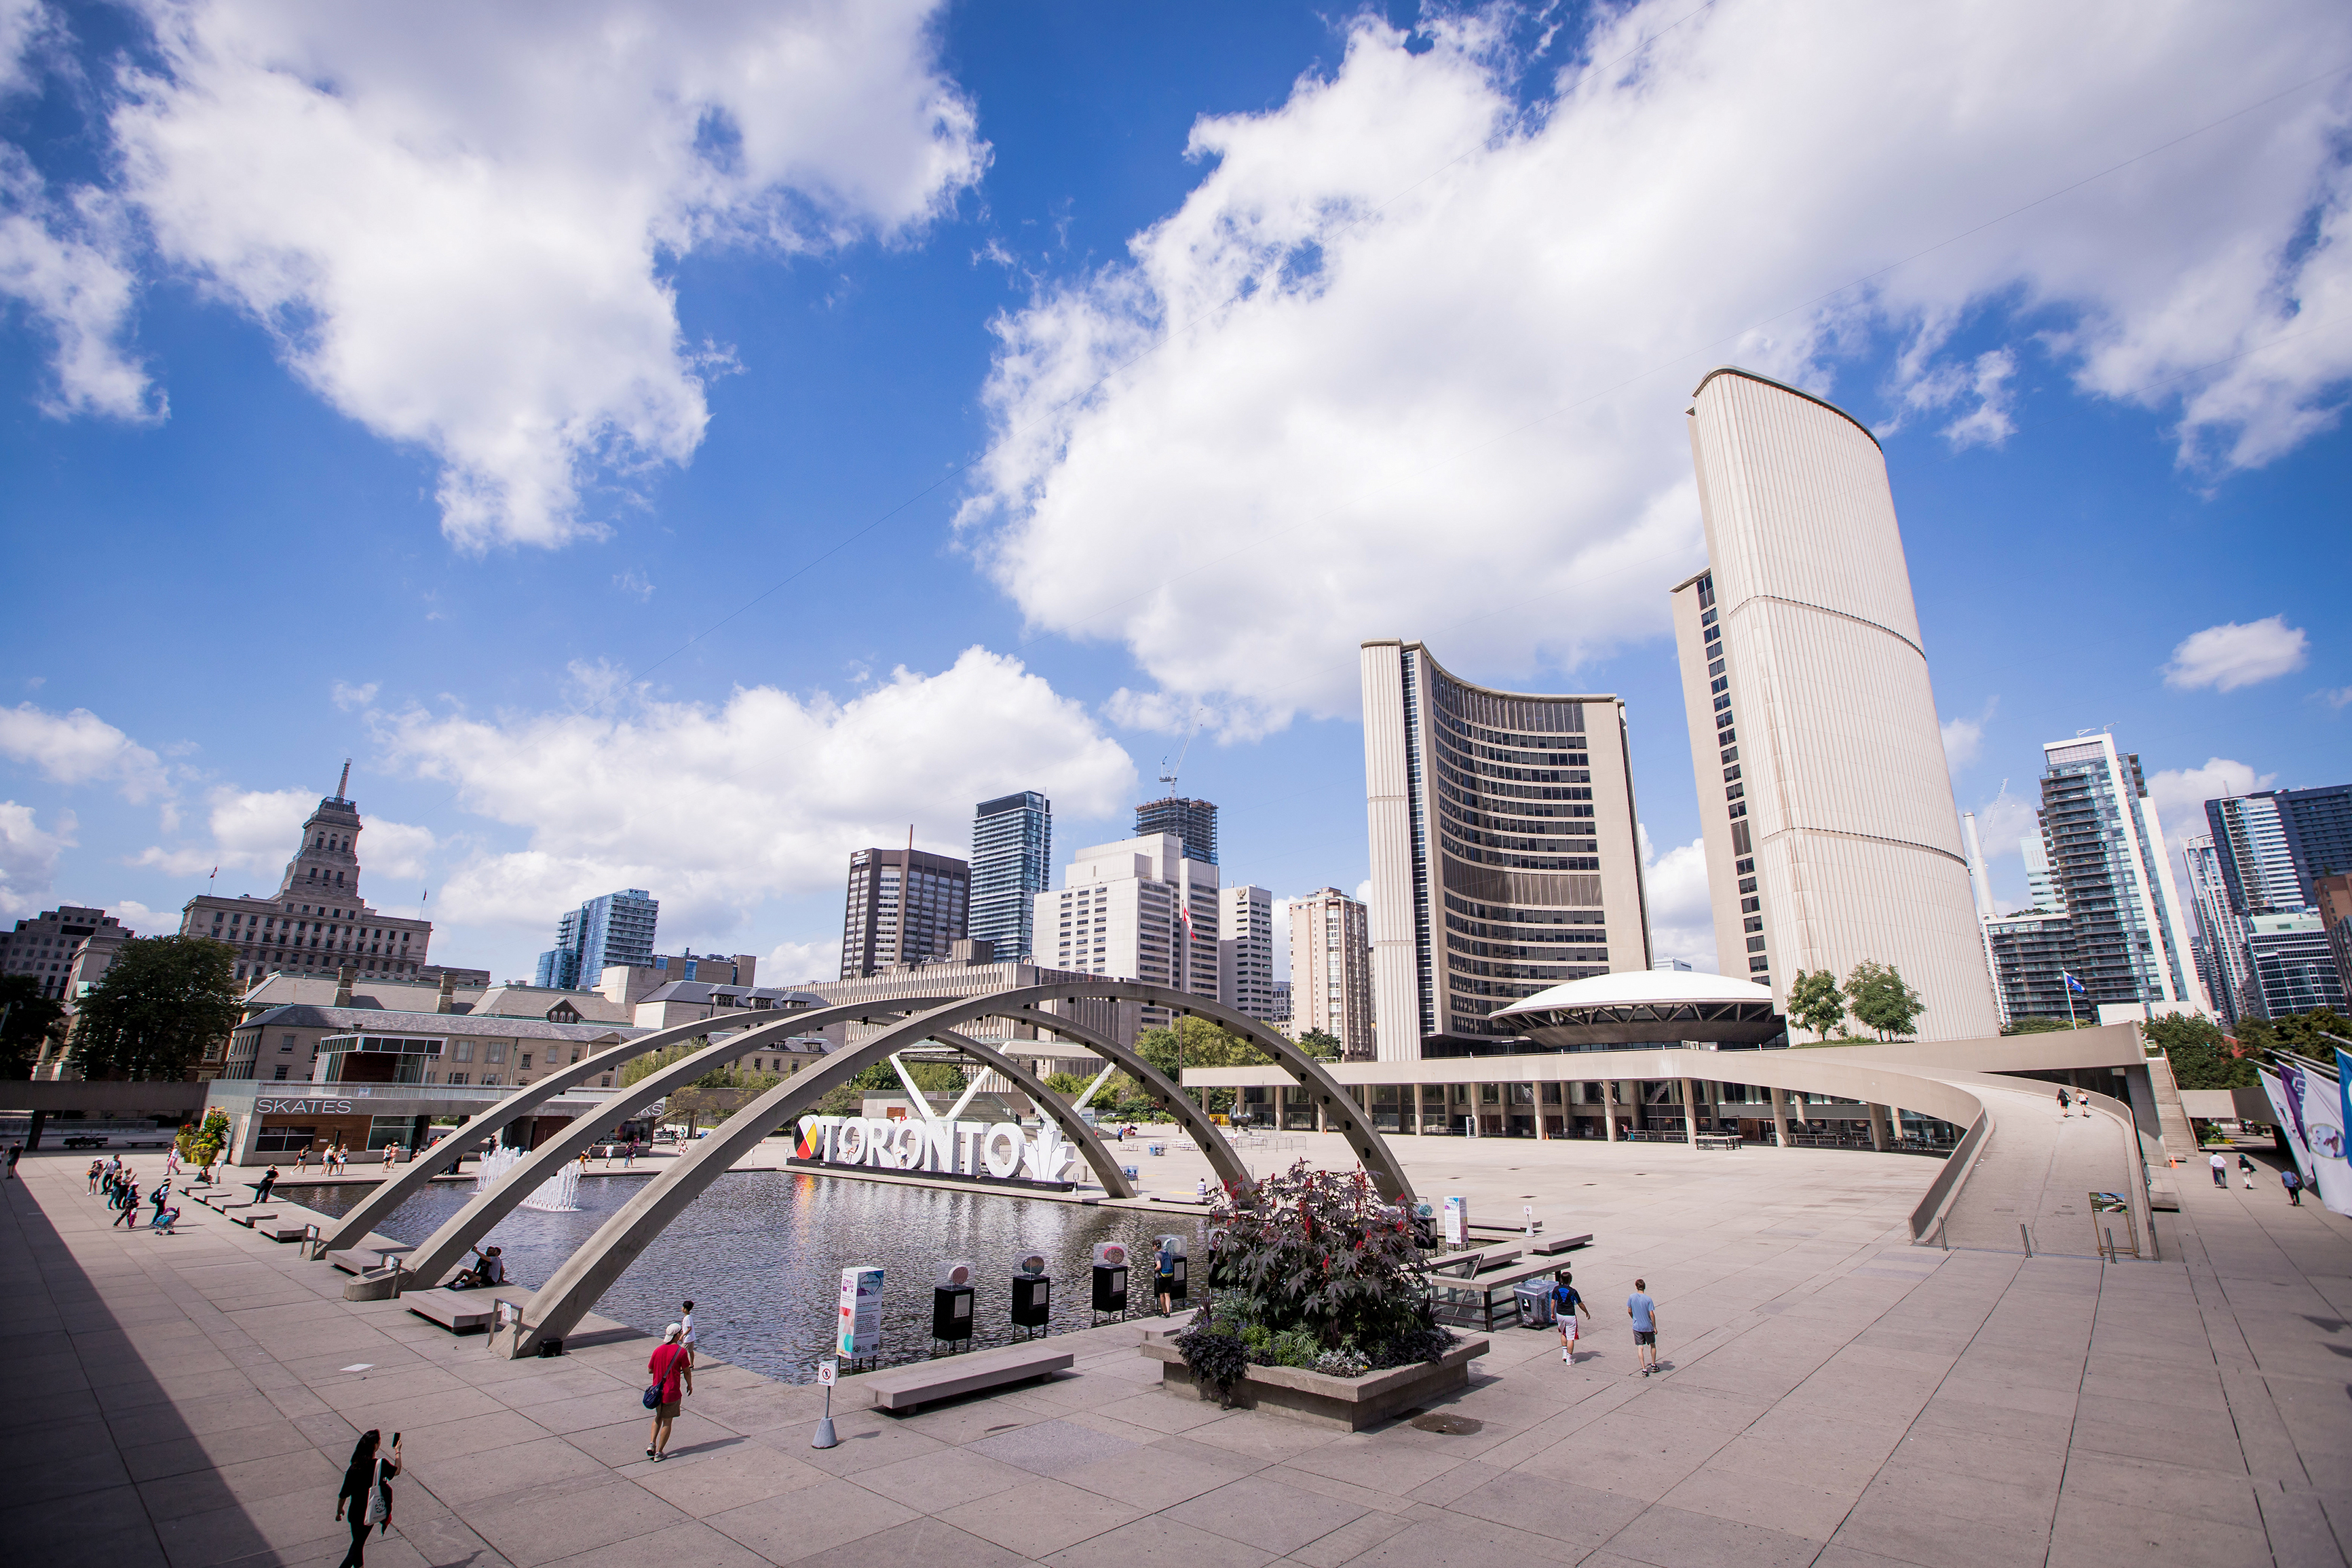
(2071, 983)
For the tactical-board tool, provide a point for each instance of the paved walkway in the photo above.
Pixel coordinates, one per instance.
(1834, 1398)
(2039, 1170)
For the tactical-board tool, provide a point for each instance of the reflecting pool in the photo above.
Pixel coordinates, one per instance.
(761, 1255)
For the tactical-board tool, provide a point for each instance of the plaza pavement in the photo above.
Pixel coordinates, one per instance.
(1834, 1398)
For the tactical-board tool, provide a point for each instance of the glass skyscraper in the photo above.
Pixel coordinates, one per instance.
(2129, 931)
(1012, 861)
(1194, 822)
(617, 928)
(2266, 856)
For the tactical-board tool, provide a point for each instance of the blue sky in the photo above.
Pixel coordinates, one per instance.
(675, 463)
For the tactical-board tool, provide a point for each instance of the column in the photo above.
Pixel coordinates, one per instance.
(1690, 1112)
(1321, 1122)
(33, 1132)
(1536, 1089)
(1878, 1128)
(1781, 1119)
(1609, 1109)
(1281, 1107)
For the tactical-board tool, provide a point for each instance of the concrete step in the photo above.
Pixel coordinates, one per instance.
(2171, 1117)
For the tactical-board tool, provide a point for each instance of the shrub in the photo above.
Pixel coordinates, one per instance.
(1216, 1358)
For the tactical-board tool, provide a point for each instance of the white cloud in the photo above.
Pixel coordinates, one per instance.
(1964, 738)
(2339, 699)
(1682, 916)
(254, 832)
(146, 922)
(1402, 364)
(459, 220)
(802, 962)
(29, 858)
(634, 581)
(62, 260)
(79, 747)
(2228, 657)
(25, 25)
(717, 807)
(347, 696)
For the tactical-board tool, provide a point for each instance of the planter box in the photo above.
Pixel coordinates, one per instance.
(1351, 1404)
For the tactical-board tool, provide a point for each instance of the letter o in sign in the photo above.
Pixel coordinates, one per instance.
(907, 1145)
(849, 1143)
(1005, 1136)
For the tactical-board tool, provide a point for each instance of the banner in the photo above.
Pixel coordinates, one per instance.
(2290, 1119)
(2316, 1109)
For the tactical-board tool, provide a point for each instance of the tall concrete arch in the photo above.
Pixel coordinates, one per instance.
(431, 1161)
(442, 1251)
(590, 1271)
(1088, 1142)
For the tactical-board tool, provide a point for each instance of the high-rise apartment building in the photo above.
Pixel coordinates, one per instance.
(2270, 859)
(615, 929)
(1193, 822)
(1011, 863)
(1505, 859)
(2276, 845)
(2041, 885)
(905, 906)
(2217, 933)
(317, 923)
(1331, 971)
(2030, 951)
(1245, 950)
(2290, 968)
(1826, 804)
(2129, 930)
(1140, 909)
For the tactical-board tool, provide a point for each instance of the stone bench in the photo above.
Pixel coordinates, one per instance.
(1465, 1264)
(366, 1259)
(1476, 1303)
(908, 1387)
(281, 1229)
(1715, 1141)
(251, 1218)
(456, 1310)
(1553, 1246)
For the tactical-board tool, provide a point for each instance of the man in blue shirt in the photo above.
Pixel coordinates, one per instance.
(1644, 1314)
(1565, 1306)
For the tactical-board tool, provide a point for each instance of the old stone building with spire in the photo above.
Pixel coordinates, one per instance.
(316, 922)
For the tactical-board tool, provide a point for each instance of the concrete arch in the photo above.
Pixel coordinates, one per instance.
(589, 1273)
(443, 1250)
(1088, 1142)
(418, 1173)
(1230, 1171)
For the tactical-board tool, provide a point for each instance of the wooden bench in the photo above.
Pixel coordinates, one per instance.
(908, 1388)
(456, 1310)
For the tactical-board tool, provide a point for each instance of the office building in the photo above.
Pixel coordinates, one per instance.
(1331, 971)
(2217, 933)
(63, 949)
(2335, 916)
(905, 906)
(2040, 886)
(1504, 854)
(2129, 926)
(2289, 966)
(1193, 822)
(1282, 1005)
(1011, 863)
(1826, 805)
(1140, 909)
(317, 922)
(1245, 950)
(616, 929)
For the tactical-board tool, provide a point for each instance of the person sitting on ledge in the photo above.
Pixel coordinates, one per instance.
(490, 1270)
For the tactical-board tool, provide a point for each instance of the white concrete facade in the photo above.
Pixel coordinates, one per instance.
(1245, 949)
(1331, 971)
(1121, 912)
(1826, 801)
(1504, 854)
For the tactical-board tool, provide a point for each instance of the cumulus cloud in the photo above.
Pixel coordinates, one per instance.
(458, 220)
(1402, 352)
(718, 807)
(79, 747)
(1681, 917)
(2180, 793)
(62, 260)
(2228, 657)
(347, 697)
(29, 858)
(1964, 738)
(802, 962)
(253, 834)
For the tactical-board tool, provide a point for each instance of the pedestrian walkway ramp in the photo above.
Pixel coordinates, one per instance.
(2033, 1174)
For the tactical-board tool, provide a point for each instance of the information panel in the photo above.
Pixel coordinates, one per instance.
(860, 1333)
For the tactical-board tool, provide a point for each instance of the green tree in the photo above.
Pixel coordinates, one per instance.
(1322, 1047)
(1881, 1001)
(1197, 1043)
(26, 1018)
(2035, 1023)
(1815, 1002)
(2199, 1053)
(160, 1004)
(2306, 1034)
(1068, 1085)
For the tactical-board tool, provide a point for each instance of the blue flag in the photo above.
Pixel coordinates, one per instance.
(2071, 983)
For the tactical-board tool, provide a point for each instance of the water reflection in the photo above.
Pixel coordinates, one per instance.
(761, 1255)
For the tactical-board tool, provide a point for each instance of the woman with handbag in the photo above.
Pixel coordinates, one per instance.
(672, 1365)
(367, 1491)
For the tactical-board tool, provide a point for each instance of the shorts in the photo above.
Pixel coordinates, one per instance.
(1645, 1336)
(667, 1412)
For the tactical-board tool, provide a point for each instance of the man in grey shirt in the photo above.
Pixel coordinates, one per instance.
(1644, 1314)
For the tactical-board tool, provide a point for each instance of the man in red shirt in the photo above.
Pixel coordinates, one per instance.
(672, 1371)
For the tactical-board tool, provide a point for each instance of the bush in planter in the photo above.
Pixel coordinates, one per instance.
(1318, 1269)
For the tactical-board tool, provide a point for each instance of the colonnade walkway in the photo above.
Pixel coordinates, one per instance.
(1834, 1396)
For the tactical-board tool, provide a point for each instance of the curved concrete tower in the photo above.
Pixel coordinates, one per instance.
(1824, 797)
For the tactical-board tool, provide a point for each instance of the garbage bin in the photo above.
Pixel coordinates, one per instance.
(1534, 1297)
